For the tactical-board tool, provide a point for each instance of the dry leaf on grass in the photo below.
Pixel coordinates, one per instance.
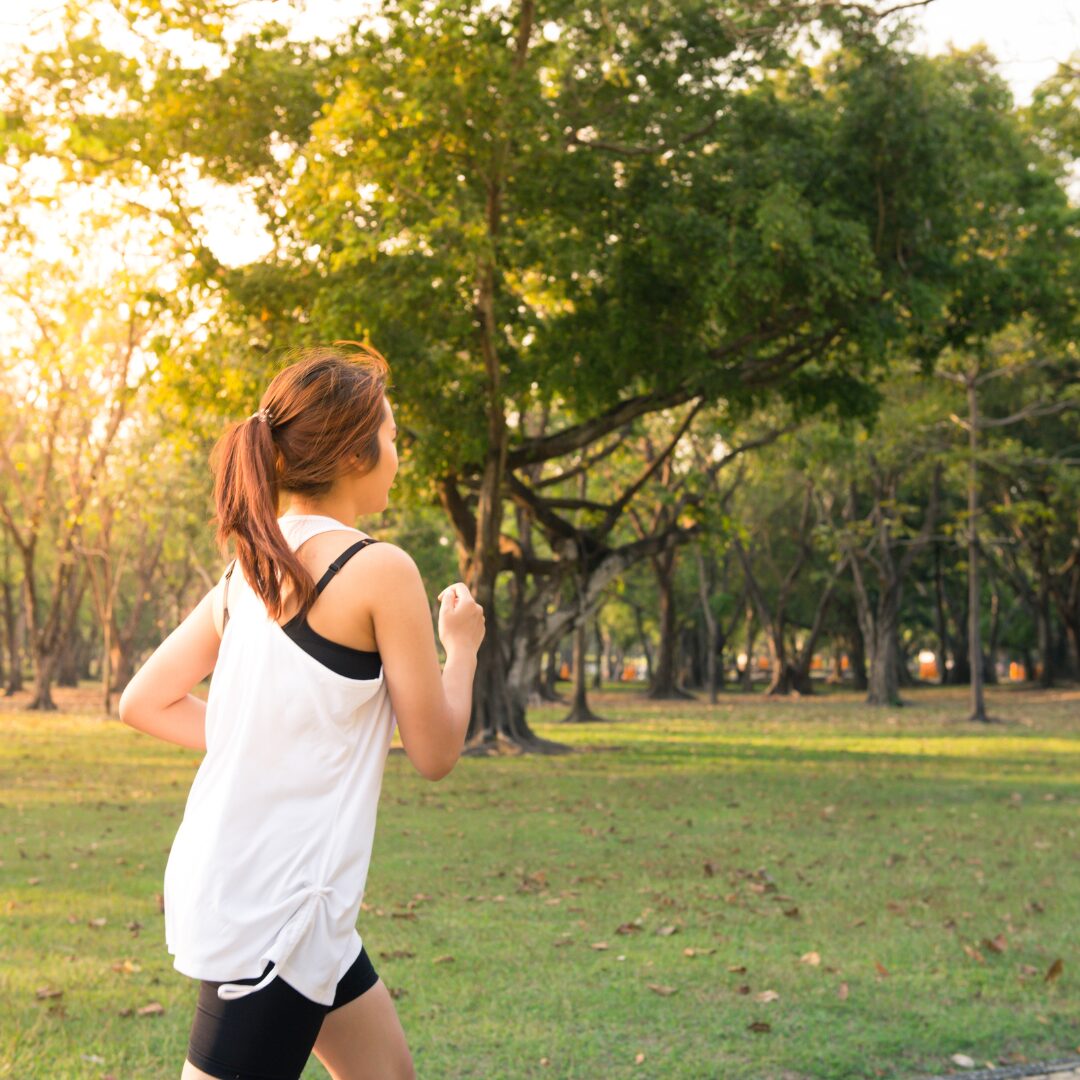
(759, 1026)
(44, 992)
(1056, 968)
(766, 996)
(663, 991)
(153, 1008)
(599, 945)
(443, 959)
(811, 958)
(842, 992)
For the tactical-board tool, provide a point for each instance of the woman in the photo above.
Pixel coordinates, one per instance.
(265, 877)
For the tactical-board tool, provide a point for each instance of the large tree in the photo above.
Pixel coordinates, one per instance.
(556, 210)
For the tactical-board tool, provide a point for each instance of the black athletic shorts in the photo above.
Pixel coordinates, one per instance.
(267, 1035)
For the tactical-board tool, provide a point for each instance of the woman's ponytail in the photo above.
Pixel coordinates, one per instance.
(315, 413)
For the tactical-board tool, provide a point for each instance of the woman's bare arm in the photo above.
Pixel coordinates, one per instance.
(158, 698)
(432, 707)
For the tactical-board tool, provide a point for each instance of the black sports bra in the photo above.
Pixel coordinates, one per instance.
(345, 660)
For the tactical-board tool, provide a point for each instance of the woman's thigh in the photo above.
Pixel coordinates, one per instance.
(363, 1039)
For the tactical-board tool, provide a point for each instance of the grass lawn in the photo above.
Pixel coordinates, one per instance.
(784, 889)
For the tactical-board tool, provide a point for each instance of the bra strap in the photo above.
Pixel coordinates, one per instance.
(341, 560)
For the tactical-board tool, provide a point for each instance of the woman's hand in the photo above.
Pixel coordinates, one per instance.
(461, 620)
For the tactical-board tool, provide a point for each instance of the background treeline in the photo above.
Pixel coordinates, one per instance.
(716, 329)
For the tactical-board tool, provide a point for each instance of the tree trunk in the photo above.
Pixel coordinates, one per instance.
(975, 655)
(705, 581)
(663, 685)
(548, 691)
(746, 676)
(941, 625)
(884, 682)
(13, 627)
(1044, 632)
(580, 713)
(995, 629)
(645, 646)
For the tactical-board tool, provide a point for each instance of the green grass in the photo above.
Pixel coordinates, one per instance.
(883, 840)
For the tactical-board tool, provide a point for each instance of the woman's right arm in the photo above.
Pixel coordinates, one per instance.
(432, 707)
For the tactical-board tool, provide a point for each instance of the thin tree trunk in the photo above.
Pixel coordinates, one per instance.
(975, 656)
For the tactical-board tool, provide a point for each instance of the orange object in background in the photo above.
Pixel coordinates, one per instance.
(564, 671)
(629, 673)
(844, 662)
(763, 663)
(1016, 671)
(928, 670)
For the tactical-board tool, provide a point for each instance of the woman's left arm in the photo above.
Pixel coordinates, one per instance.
(158, 698)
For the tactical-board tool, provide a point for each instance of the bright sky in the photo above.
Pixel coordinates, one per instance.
(1028, 37)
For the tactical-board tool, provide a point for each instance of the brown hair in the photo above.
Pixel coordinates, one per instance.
(326, 405)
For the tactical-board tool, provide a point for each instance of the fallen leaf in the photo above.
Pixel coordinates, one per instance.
(599, 946)
(711, 868)
(639, 1058)
(963, 1061)
(842, 992)
(791, 913)
(744, 989)
(126, 967)
(997, 944)
(663, 991)
(667, 931)
(974, 954)
(397, 992)
(811, 958)
(759, 1026)
(396, 954)
(153, 1008)
(47, 992)
(881, 969)
(1056, 968)
(739, 970)
(628, 927)
(443, 959)
(97, 923)
(33, 881)
(766, 996)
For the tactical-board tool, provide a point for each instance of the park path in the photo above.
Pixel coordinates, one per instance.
(1038, 1070)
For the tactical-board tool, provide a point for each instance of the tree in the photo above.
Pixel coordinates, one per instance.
(601, 217)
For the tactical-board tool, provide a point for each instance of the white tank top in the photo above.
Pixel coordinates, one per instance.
(270, 861)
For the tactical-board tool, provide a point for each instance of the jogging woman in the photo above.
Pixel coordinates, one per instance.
(319, 639)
